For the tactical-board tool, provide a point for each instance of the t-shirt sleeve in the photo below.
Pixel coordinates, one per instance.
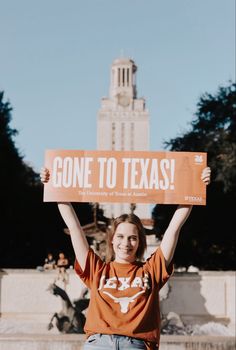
(157, 267)
(93, 263)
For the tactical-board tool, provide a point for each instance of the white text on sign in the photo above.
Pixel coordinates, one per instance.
(138, 173)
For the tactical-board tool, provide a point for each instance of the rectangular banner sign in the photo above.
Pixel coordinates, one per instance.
(125, 176)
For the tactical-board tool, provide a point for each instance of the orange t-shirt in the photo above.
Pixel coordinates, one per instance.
(124, 298)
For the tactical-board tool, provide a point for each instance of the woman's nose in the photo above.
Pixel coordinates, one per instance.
(126, 242)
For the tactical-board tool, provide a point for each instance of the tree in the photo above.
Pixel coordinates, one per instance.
(29, 227)
(209, 242)
(214, 130)
(10, 158)
(15, 180)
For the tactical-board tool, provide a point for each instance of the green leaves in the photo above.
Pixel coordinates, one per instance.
(208, 237)
(213, 130)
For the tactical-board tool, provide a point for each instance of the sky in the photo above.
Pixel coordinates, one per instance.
(56, 56)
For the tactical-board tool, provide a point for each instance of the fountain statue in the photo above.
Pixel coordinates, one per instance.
(71, 318)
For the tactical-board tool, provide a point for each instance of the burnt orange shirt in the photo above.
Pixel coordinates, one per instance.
(124, 298)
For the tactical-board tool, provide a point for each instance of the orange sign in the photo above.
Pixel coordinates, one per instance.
(125, 176)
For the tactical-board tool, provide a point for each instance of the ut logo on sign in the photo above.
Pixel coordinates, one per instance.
(198, 159)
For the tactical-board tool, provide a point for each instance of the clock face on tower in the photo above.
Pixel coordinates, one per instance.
(123, 100)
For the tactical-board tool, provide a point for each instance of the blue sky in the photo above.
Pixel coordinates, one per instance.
(55, 59)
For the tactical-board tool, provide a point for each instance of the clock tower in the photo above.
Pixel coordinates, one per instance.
(123, 124)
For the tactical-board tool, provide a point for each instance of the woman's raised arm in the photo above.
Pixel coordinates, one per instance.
(71, 220)
(170, 238)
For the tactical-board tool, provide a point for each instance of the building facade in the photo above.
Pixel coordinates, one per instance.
(123, 124)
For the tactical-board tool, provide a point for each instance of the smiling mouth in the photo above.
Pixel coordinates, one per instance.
(126, 251)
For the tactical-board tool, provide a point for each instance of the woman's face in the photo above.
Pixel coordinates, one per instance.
(125, 242)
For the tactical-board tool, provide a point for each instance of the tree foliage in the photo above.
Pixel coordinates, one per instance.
(208, 237)
(29, 227)
(214, 131)
(9, 155)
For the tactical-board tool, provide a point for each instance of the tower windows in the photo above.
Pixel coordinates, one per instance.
(118, 76)
(123, 77)
(128, 77)
(113, 136)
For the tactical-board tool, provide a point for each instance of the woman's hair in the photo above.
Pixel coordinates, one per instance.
(131, 219)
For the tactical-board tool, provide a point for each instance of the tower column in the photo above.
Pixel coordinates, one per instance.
(123, 124)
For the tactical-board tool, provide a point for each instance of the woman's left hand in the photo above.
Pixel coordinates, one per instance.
(206, 175)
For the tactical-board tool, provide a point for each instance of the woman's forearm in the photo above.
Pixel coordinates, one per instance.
(170, 238)
(78, 237)
(180, 216)
(68, 215)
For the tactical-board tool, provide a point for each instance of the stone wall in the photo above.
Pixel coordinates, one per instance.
(202, 297)
(195, 297)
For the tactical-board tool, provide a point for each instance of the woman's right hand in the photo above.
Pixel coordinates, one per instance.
(44, 175)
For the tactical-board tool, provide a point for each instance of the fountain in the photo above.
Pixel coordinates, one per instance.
(197, 307)
(24, 320)
(28, 335)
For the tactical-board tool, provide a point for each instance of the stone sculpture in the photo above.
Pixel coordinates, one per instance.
(71, 318)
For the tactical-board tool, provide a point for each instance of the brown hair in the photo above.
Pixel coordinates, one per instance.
(131, 219)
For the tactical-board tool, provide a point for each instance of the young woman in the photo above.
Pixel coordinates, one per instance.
(124, 304)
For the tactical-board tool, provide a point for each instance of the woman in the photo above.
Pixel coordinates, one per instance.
(124, 304)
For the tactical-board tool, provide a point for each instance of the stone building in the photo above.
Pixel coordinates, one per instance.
(123, 125)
